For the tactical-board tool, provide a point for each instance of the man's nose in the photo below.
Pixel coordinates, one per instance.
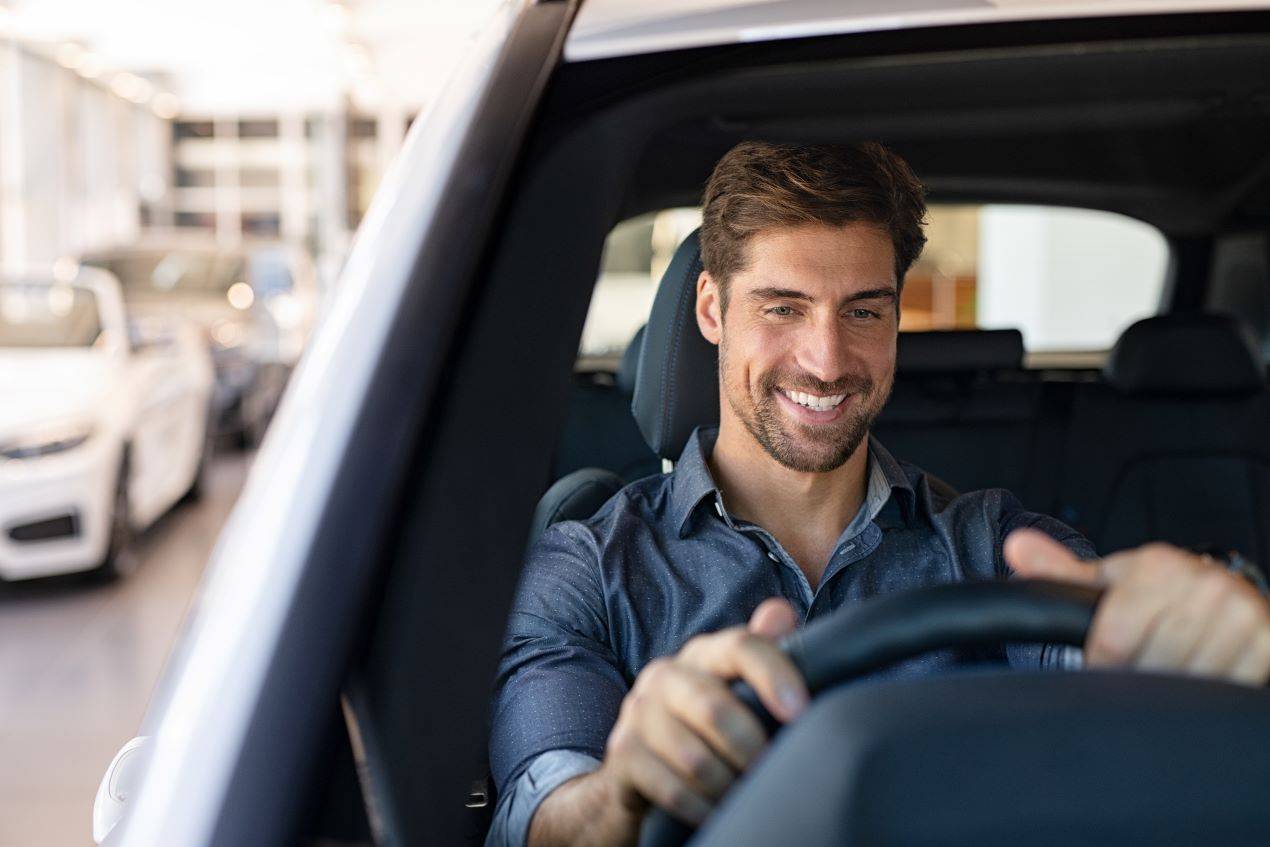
(825, 350)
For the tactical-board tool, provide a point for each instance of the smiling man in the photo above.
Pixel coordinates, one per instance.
(612, 694)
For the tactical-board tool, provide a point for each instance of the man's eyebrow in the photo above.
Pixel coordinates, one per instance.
(885, 293)
(779, 294)
(772, 293)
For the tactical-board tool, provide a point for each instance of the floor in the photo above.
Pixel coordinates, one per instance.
(78, 661)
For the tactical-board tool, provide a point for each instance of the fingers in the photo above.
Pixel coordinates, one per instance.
(682, 737)
(1178, 634)
(706, 706)
(1032, 554)
(1253, 665)
(1148, 586)
(654, 779)
(774, 618)
(1237, 645)
(699, 766)
(1167, 609)
(736, 654)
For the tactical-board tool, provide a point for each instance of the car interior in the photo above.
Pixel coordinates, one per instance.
(1168, 439)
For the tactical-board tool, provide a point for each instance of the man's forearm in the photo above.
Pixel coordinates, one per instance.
(585, 811)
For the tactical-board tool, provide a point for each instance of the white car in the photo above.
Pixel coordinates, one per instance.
(103, 425)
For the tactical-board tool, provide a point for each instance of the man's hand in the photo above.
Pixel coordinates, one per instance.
(1164, 609)
(681, 737)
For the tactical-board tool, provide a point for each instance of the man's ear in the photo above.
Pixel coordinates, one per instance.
(709, 308)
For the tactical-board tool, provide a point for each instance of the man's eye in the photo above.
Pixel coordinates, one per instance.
(864, 313)
(781, 311)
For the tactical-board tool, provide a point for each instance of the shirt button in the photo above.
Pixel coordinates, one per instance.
(773, 556)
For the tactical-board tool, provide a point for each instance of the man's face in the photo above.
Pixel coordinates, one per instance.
(807, 341)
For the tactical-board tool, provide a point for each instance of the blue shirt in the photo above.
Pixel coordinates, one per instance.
(664, 560)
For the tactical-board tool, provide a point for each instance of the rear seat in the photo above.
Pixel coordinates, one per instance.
(1175, 444)
(964, 409)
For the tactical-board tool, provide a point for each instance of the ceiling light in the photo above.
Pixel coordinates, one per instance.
(166, 105)
(127, 85)
(91, 66)
(69, 55)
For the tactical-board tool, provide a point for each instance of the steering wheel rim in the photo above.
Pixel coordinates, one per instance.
(884, 630)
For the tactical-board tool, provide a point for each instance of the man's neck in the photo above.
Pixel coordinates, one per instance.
(804, 511)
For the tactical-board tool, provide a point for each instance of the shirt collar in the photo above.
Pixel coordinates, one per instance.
(693, 483)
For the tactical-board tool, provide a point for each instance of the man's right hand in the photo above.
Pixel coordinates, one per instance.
(682, 737)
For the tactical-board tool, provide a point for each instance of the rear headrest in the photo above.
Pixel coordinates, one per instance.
(628, 368)
(677, 386)
(942, 351)
(1187, 354)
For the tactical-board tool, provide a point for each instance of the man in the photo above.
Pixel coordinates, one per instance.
(612, 693)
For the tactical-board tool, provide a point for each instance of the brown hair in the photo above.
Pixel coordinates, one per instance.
(757, 186)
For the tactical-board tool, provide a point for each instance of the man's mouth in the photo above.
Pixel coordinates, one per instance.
(815, 402)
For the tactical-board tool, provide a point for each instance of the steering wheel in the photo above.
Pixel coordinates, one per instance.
(888, 629)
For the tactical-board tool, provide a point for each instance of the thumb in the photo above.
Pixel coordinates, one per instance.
(1032, 554)
(773, 618)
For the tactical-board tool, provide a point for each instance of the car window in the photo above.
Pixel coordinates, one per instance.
(35, 315)
(1069, 279)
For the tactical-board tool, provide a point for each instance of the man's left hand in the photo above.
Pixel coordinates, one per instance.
(1164, 608)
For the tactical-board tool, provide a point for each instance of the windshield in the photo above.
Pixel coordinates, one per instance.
(40, 315)
(171, 272)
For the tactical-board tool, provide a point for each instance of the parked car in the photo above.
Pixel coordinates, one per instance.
(256, 306)
(334, 681)
(103, 425)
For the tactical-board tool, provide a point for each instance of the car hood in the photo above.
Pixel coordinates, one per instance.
(42, 386)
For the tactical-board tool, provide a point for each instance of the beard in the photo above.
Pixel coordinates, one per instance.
(799, 446)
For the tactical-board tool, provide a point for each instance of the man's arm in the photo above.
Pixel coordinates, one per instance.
(678, 738)
(559, 683)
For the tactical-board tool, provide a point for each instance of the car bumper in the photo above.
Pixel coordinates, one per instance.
(55, 511)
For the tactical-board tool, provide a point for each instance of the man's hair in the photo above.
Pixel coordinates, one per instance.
(757, 186)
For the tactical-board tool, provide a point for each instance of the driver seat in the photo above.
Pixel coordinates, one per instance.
(676, 389)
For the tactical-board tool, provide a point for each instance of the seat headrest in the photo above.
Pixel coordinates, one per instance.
(628, 368)
(944, 351)
(677, 386)
(1186, 354)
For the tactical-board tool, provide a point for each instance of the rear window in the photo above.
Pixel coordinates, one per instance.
(1070, 279)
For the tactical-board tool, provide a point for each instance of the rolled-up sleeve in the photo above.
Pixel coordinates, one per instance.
(516, 805)
(559, 684)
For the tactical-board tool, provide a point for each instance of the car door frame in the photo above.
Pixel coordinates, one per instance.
(238, 718)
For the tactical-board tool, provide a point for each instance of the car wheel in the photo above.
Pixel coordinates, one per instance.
(120, 559)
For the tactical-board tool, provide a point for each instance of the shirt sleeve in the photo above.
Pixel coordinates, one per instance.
(516, 805)
(1041, 656)
(559, 685)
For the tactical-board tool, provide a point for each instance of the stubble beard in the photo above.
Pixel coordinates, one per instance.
(797, 446)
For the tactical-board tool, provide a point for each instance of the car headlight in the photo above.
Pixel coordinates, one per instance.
(46, 441)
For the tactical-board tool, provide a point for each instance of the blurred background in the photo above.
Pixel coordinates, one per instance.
(180, 181)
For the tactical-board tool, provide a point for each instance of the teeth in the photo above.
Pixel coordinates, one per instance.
(811, 401)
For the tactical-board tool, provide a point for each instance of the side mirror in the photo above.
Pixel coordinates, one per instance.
(117, 785)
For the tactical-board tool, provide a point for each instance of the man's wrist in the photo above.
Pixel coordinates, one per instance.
(588, 810)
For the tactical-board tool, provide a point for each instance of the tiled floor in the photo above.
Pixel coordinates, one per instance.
(78, 662)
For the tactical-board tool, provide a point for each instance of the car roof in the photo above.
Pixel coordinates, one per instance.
(610, 28)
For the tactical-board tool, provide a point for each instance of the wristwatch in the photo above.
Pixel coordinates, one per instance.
(1237, 563)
